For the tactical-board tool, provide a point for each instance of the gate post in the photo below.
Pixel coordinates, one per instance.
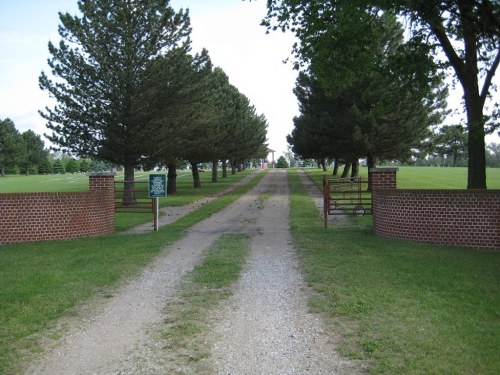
(382, 178)
(102, 181)
(326, 200)
(103, 184)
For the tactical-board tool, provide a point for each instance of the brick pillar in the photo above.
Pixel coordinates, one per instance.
(383, 178)
(101, 181)
(102, 185)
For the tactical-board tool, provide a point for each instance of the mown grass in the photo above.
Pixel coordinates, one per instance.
(79, 182)
(202, 291)
(425, 177)
(42, 282)
(404, 307)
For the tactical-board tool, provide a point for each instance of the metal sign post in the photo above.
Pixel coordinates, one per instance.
(157, 189)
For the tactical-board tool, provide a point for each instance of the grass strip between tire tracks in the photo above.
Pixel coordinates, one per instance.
(407, 308)
(203, 289)
(44, 281)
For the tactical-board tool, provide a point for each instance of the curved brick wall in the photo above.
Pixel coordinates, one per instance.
(457, 217)
(28, 217)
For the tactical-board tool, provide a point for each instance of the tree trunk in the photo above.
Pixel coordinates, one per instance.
(196, 175)
(172, 178)
(370, 161)
(323, 164)
(466, 71)
(129, 186)
(215, 164)
(224, 168)
(233, 167)
(335, 167)
(355, 168)
(347, 168)
(2, 170)
(476, 175)
(474, 103)
(240, 166)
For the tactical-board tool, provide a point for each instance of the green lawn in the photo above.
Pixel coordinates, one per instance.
(80, 182)
(426, 177)
(42, 282)
(404, 307)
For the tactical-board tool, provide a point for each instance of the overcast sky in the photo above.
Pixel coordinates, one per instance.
(229, 29)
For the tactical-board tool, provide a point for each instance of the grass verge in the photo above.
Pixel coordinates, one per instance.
(80, 182)
(42, 282)
(408, 308)
(202, 291)
(423, 177)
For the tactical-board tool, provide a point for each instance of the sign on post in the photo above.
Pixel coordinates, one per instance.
(157, 186)
(157, 189)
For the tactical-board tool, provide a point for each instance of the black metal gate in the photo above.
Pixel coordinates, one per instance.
(346, 196)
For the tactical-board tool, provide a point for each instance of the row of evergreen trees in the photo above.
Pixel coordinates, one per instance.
(133, 94)
(25, 153)
(59, 166)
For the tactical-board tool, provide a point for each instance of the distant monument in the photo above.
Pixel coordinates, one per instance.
(273, 165)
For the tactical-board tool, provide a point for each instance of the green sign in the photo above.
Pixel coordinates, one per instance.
(157, 185)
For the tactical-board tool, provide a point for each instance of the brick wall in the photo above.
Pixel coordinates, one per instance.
(457, 217)
(26, 217)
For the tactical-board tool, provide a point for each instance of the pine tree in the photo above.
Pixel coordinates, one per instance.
(100, 67)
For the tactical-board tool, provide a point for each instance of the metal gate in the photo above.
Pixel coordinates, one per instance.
(346, 196)
(133, 197)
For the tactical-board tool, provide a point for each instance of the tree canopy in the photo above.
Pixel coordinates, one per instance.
(466, 31)
(100, 67)
(128, 91)
(380, 110)
(24, 150)
(10, 144)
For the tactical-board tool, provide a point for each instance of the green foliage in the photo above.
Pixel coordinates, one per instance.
(129, 93)
(451, 142)
(377, 113)
(84, 166)
(72, 166)
(11, 170)
(34, 152)
(20, 151)
(282, 162)
(493, 155)
(406, 308)
(468, 32)
(100, 166)
(10, 145)
(100, 67)
(227, 126)
(58, 167)
(45, 167)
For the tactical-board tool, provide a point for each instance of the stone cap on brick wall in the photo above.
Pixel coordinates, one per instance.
(393, 169)
(102, 174)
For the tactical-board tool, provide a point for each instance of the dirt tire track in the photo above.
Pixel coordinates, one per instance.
(264, 329)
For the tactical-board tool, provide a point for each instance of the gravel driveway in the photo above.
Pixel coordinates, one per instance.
(264, 328)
